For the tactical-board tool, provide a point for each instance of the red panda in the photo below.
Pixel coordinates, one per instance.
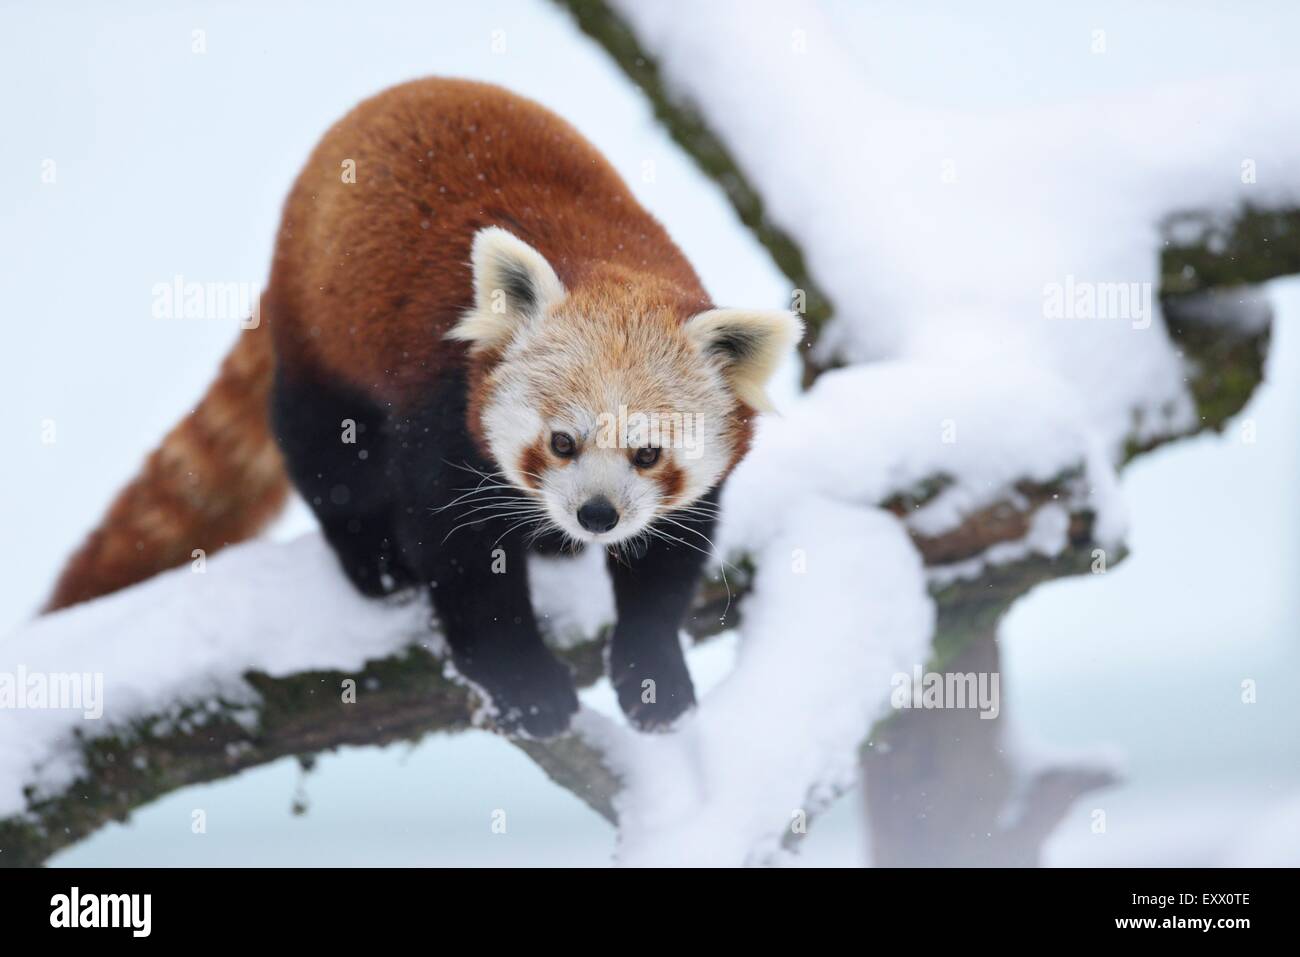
(474, 342)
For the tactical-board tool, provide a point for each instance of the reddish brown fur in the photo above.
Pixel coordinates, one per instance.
(216, 479)
(532, 463)
(366, 280)
(671, 481)
(369, 276)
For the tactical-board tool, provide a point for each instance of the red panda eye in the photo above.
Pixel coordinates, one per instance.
(646, 457)
(562, 444)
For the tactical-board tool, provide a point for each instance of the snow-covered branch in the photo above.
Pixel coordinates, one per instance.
(207, 674)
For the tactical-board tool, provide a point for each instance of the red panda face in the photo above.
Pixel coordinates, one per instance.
(602, 405)
(609, 425)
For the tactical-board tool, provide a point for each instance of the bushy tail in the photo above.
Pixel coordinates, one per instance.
(216, 479)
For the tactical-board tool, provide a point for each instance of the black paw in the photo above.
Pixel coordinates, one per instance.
(540, 719)
(535, 700)
(654, 692)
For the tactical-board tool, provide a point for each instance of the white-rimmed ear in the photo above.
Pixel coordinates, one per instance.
(749, 344)
(513, 283)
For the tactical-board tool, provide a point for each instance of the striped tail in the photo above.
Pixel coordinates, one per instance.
(216, 479)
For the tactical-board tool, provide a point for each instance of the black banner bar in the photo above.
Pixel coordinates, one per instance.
(239, 905)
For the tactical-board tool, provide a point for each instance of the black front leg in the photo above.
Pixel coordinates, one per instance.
(464, 545)
(479, 585)
(653, 590)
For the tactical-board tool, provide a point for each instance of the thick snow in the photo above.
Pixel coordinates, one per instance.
(866, 432)
(184, 638)
(937, 232)
(839, 607)
(571, 595)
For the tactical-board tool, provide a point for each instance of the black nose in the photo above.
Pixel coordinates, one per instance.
(598, 515)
